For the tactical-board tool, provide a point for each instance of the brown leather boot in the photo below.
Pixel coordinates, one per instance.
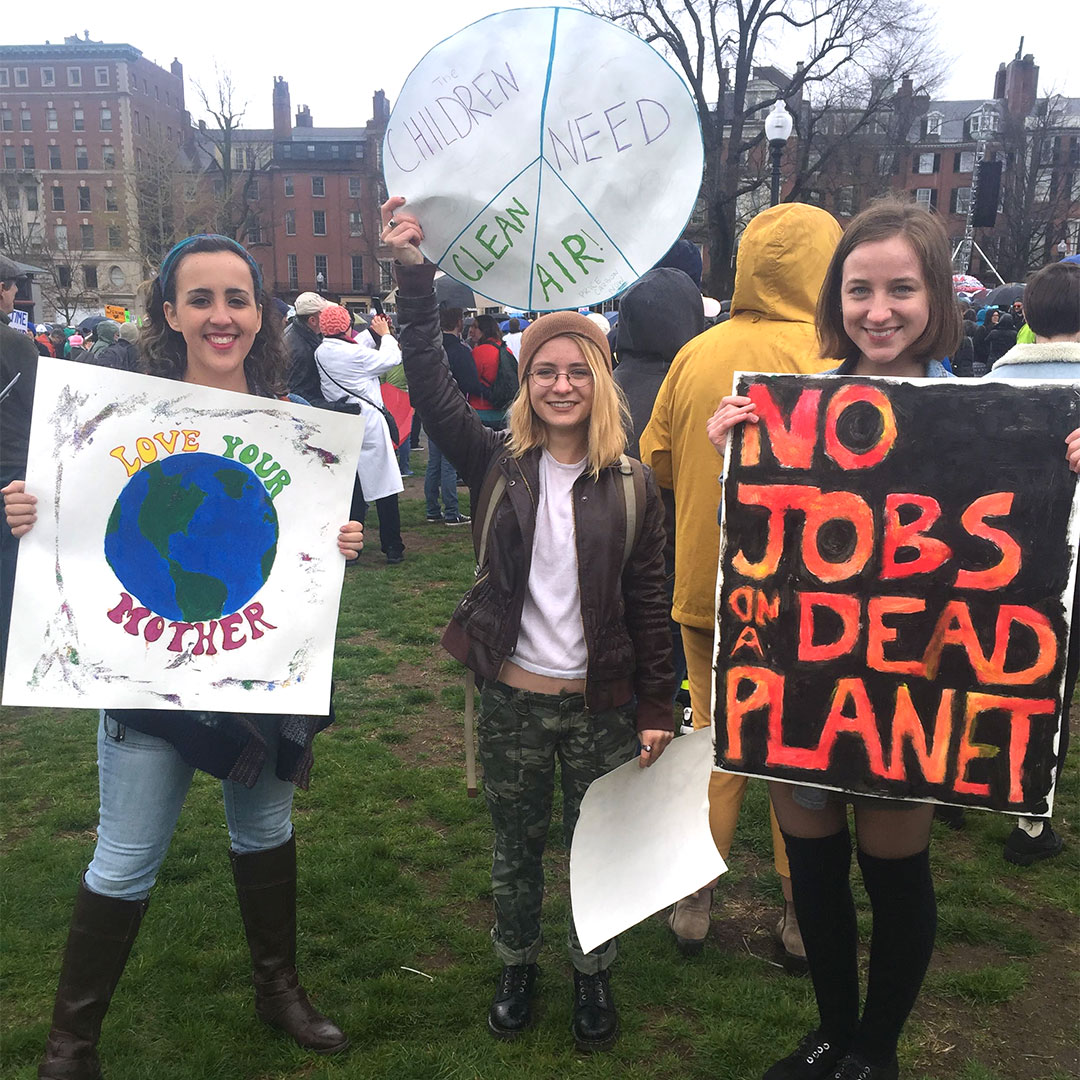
(689, 921)
(102, 932)
(266, 889)
(789, 936)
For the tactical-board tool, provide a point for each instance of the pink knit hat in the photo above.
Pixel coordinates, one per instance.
(334, 320)
(75, 340)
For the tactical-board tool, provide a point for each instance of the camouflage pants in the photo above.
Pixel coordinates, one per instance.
(520, 736)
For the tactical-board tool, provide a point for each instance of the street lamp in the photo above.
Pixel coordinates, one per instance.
(777, 131)
(320, 281)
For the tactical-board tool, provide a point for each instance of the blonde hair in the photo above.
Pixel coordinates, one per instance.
(609, 419)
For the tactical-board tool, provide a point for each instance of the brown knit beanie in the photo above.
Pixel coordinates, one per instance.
(555, 325)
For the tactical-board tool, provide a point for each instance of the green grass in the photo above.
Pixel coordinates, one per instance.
(394, 863)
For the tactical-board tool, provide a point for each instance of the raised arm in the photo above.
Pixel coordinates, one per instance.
(448, 418)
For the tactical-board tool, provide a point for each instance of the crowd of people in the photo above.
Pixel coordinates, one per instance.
(594, 498)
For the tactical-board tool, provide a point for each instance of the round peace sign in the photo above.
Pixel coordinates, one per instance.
(552, 156)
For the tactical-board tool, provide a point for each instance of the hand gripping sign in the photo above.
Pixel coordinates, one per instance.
(896, 588)
(184, 555)
(551, 156)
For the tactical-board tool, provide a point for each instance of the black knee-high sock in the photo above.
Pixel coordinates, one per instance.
(905, 921)
(820, 870)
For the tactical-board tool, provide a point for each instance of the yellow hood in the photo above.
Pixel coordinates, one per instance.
(782, 259)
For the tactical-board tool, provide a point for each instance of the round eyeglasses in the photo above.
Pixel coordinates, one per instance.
(548, 376)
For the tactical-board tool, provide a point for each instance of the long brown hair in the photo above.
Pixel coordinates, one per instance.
(884, 218)
(162, 350)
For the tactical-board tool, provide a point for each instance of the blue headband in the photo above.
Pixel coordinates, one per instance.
(168, 265)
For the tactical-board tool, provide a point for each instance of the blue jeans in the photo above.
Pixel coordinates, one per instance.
(403, 452)
(143, 782)
(440, 475)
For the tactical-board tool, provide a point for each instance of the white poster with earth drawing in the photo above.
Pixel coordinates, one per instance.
(185, 551)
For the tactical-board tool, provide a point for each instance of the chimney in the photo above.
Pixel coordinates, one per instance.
(282, 110)
(303, 117)
(999, 83)
(1021, 85)
(380, 109)
(177, 68)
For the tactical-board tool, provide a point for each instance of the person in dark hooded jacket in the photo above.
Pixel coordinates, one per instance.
(658, 315)
(1001, 339)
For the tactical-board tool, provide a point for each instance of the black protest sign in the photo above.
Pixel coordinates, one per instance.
(896, 588)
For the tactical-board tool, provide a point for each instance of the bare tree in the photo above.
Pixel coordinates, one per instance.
(237, 161)
(1036, 194)
(718, 43)
(69, 285)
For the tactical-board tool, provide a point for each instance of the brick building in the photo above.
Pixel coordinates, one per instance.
(74, 119)
(313, 196)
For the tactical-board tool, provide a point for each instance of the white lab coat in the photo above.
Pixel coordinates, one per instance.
(357, 366)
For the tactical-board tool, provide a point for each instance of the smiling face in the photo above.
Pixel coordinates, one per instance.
(562, 406)
(216, 312)
(886, 306)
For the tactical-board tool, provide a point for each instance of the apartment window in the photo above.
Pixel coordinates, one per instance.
(101, 76)
(5, 78)
(82, 157)
(78, 120)
(28, 157)
(22, 77)
(110, 200)
(7, 120)
(157, 92)
(136, 119)
(86, 236)
(31, 198)
(926, 197)
(960, 200)
(356, 224)
(138, 157)
(964, 161)
(845, 201)
(355, 190)
(933, 123)
(74, 75)
(254, 233)
(320, 268)
(52, 120)
(115, 239)
(116, 276)
(108, 157)
(318, 222)
(105, 119)
(928, 163)
(48, 77)
(335, 151)
(58, 198)
(25, 122)
(286, 150)
(90, 276)
(60, 233)
(358, 272)
(287, 180)
(9, 157)
(251, 189)
(386, 275)
(54, 157)
(63, 274)
(318, 186)
(293, 272)
(84, 199)
(12, 196)
(290, 222)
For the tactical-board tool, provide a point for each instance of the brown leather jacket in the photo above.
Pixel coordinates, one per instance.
(627, 633)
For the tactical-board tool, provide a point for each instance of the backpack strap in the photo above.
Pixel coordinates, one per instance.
(633, 487)
(491, 491)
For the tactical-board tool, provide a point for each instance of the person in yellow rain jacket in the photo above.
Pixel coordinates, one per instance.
(781, 264)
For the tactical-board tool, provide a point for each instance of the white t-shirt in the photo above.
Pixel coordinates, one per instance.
(513, 343)
(551, 639)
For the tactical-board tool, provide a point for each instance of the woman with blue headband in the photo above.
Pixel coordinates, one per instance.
(205, 326)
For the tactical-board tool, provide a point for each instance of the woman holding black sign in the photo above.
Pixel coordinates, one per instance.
(886, 307)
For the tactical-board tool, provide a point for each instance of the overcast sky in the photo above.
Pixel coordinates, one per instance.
(335, 55)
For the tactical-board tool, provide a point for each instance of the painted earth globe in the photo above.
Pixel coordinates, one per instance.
(193, 536)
